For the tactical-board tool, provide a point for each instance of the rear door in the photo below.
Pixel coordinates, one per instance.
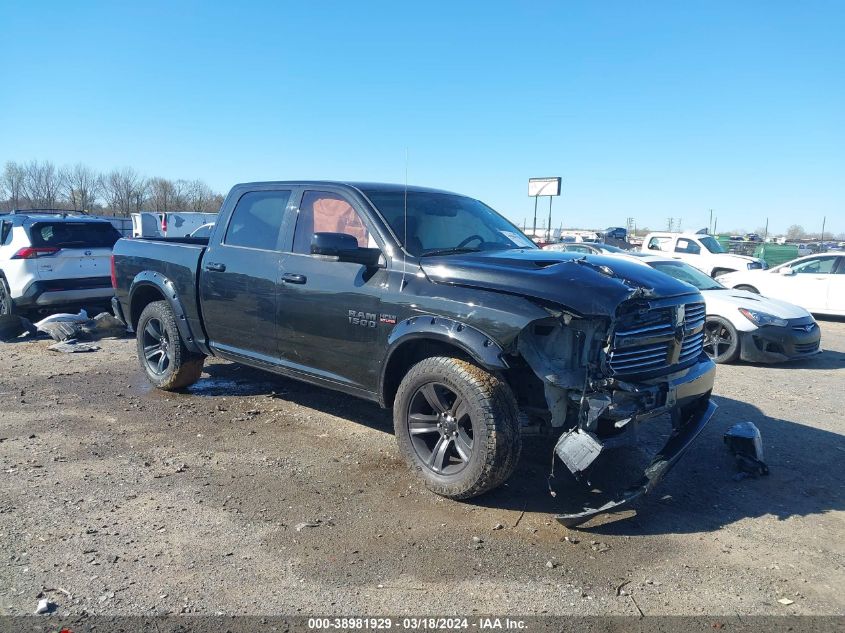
(82, 249)
(239, 275)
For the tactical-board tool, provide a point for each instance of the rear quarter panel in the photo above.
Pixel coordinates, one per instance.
(168, 265)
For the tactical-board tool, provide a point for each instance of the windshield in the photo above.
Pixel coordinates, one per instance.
(442, 223)
(74, 234)
(688, 274)
(712, 244)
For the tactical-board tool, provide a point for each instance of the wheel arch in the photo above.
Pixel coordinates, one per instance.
(148, 287)
(420, 337)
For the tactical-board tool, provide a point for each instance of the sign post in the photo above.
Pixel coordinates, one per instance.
(543, 187)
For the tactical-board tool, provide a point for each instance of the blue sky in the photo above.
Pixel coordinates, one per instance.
(645, 109)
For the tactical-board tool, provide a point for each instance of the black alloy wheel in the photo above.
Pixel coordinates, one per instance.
(440, 428)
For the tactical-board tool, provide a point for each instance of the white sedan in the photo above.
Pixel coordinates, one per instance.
(741, 324)
(816, 282)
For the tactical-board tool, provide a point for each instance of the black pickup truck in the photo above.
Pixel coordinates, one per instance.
(433, 304)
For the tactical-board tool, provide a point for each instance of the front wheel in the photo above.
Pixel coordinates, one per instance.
(162, 352)
(721, 341)
(457, 426)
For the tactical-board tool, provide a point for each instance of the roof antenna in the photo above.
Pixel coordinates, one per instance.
(405, 237)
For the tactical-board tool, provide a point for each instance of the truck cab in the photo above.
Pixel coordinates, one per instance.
(700, 251)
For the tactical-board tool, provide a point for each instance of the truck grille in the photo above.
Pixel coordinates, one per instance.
(657, 339)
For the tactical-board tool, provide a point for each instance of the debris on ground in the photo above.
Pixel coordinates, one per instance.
(72, 346)
(306, 524)
(786, 601)
(12, 327)
(498, 526)
(743, 439)
(551, 564)
(44, 606)
(63, 327)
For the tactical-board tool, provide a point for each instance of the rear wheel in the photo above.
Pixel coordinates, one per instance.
(721, 341)
(7, 306)
(456, 425)
(162, 352)
(747, 288)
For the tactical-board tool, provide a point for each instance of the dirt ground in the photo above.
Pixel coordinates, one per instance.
(253, 494)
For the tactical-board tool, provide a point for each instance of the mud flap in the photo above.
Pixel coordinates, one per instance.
(679, 441)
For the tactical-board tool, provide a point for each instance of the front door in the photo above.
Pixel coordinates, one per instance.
(810, 283)
(328, 311)
(239, 275)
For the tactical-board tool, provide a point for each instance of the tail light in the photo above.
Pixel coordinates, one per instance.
(35, 252)
(113, 274)
(164, 223)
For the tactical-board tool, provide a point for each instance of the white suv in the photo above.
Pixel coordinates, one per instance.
(53, 260)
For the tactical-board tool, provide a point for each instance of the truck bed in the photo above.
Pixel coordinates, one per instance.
(176, 260)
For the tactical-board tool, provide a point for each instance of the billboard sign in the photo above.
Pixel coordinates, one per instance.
(543, 187)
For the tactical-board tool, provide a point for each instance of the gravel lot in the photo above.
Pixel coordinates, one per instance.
(116, 499)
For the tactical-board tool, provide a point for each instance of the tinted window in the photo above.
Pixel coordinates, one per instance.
(5, 232)
(687, 246)
(441, 222)
(257, 219)
(324, 212)
(816, 266)
(74, 234)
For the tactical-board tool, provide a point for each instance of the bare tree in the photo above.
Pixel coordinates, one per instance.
(82, 187)
(124, 190)
(199, 196)
(11, 185)
(42, 184)
(162, 195)
(795, 232)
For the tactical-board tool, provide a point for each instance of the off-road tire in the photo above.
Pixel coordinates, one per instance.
(730, 352)
(183, 368)
(492, 411)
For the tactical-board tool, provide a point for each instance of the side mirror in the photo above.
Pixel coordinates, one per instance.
(345, 248)
(786, 270)
(332, 244)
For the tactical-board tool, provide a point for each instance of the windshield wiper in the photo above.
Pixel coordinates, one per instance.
(450, 251)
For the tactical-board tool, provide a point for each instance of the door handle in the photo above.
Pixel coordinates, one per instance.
(293, 278)
(215, 268)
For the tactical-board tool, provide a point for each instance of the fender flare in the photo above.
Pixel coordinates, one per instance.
(166, 287)
(481, 347)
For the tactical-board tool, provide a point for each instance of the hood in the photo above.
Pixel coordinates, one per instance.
(586, 284)
(719, 302)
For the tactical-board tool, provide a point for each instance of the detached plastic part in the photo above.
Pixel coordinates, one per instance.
(743, 439)
(679, 441)
(578, 449)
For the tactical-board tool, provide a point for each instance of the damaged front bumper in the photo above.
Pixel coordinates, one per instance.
(686, 394)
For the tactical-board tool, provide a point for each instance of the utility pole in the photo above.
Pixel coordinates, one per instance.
(535, 217)
(670, 224)
(766, 232)
(710, 228)
(824, 221)
(680, 224)
(715, 221)
(550, 220)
